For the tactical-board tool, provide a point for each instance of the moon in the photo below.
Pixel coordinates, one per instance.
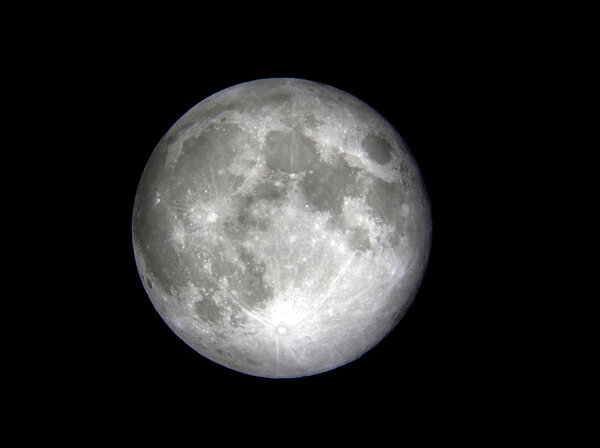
(281, 228)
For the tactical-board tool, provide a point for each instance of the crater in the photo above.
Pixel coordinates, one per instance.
(217, 109)
(407, 175)
(237, 320)
(378, 149)
(311, 122)
(289, 151)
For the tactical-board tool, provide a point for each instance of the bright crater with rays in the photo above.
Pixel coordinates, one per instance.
(281, 228)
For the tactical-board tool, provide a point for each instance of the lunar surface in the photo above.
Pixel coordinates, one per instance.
(281, 228)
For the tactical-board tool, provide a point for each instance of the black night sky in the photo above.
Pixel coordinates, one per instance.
(436, 343)
(123, 94)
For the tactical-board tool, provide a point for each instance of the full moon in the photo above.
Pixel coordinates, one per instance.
(281, 228)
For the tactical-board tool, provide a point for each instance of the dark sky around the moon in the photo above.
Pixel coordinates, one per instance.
(134, 99)
(98, 88)
(423, 109)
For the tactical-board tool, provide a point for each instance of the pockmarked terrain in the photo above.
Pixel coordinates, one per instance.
(281, 228)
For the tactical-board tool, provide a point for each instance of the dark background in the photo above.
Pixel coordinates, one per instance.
(444, 93)
(436, 349)
(476, 91)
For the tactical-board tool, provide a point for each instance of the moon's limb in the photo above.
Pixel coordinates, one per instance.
(281, 228)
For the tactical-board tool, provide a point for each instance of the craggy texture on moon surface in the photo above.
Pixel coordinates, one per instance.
(281, 228)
